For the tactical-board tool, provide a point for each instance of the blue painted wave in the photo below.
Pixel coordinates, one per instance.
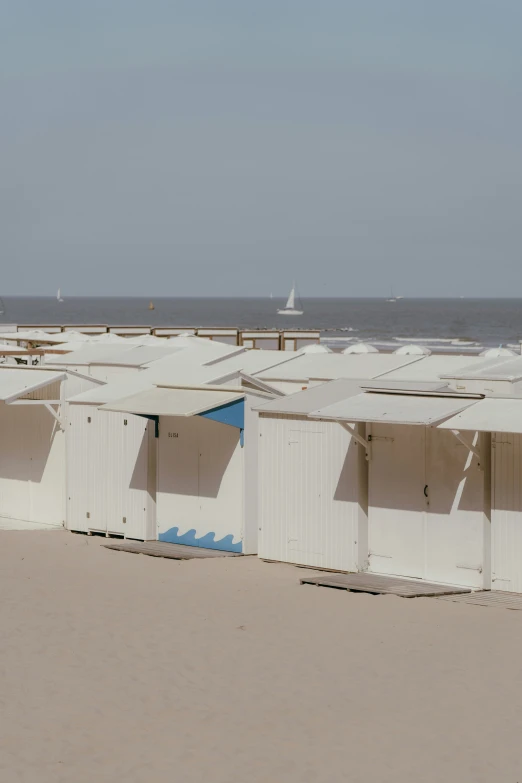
(225, 544)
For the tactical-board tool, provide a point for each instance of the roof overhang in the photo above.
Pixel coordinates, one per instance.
(161, 401)
(492, 414)
(13, 391)
(385, 408)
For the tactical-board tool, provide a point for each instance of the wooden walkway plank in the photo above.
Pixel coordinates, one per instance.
(163, 549)
(381, 585)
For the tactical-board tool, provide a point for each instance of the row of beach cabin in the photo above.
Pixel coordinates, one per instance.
(395, 464)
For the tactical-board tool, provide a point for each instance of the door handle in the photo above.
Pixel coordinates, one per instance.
(426, 491)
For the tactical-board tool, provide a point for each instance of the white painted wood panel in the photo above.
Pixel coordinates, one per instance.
(32, 467)
(506, 515)
(108, 481)
(426, 506)
(396, 502)
(308, 492)
(455, 520)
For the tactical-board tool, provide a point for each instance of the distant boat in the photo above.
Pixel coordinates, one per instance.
(151, 305)
(290, 308)
(59, 296)
(271, 296)
(392, 298)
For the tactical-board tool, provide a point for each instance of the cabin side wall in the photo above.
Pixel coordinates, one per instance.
(251, 471)
(32, 468)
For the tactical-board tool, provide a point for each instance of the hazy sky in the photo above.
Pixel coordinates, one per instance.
(224, 147)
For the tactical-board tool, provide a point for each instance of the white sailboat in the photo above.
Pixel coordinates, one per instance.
(59, 296)
(290, 308)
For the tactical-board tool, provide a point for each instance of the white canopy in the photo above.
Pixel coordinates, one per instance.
(107, 338)
(490, 415)
(361, 348)
(395, 408)
(33, 336)
(413, 350)
(173, 402)
(492, 353)
(315, 348)
(73, 336)
(147, 339)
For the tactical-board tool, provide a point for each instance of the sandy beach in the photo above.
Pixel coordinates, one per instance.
(119, 667)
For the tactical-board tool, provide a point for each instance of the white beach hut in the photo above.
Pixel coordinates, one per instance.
(498, 375)
(111, 473)
(126, 475)
(428, 489)
(204, 436)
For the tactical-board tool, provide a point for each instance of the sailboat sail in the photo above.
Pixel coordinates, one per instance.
(290, 302)
(290, 307)
(59, 295)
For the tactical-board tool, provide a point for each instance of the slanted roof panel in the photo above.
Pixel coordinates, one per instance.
(490, 415)
(302, 403)
(15, 382)
(431, 368)
(139, 355)
(114, 390)
(173, 402)
(394, 408)
(252, 362)
(329, 366)
(93, 353)
(502, 368)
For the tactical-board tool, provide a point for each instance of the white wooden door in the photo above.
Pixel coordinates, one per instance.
(126, 477)
(83, 463)
(455, 520)
(306, 523)
(506, 513)
(397, 503)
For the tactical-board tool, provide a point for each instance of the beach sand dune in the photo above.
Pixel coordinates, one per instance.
(118, 667)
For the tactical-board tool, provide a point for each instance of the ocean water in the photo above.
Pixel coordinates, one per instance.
(452, 324)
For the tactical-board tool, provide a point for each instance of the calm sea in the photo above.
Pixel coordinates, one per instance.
(440, 322)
